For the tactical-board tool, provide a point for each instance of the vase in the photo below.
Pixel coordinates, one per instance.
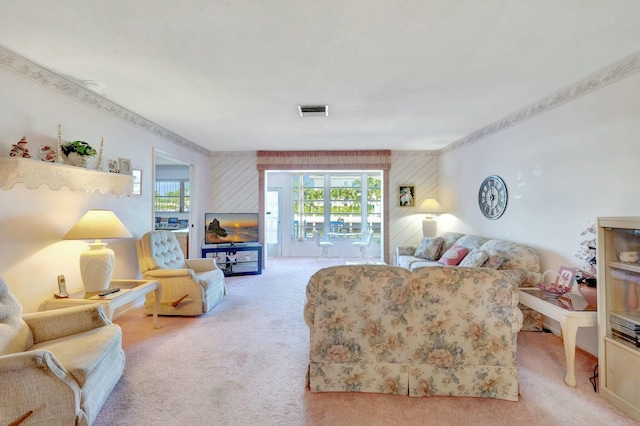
(77, 160)
(590, 295)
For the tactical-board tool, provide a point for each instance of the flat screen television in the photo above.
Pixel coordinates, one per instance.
(227, 228)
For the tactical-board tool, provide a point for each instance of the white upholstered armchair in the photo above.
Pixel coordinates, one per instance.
(56, 367)
(189, 286)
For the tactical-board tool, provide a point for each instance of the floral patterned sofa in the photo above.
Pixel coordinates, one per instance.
(519, 260)
(448, 331)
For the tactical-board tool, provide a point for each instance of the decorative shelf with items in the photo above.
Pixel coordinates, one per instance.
(64, 165)
(619, 312)
(236, 259)
(33, 174)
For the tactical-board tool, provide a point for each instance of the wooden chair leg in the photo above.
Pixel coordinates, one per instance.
(177, 302)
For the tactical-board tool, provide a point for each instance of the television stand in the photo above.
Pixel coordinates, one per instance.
(243, 259)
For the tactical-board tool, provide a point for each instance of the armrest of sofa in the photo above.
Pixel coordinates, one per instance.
(405, 250)
(35, 381)
(310, 306)
(50, 325)
(202, 264)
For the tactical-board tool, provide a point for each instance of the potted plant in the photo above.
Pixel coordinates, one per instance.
(78, 153)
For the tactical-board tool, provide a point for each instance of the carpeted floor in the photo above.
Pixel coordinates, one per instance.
(244, 363)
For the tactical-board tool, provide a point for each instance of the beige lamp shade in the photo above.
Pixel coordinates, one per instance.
(96, 264)
(431, 207)
(97, 225)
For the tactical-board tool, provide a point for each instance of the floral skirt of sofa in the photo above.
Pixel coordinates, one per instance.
(441, 331)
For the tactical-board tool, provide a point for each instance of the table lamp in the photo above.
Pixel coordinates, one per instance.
(96, 264)
(431, 208)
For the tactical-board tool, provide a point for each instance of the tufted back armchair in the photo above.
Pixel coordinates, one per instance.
(165, 251)
(189, 286)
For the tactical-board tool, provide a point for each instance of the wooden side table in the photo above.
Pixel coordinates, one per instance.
(130, 290)
(569, 323)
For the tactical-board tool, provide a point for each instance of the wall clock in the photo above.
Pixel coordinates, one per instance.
(492, 197)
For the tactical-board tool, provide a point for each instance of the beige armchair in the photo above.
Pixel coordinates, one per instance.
(56, 367)
(189, 286)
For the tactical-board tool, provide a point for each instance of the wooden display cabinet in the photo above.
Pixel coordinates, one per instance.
(619, 312)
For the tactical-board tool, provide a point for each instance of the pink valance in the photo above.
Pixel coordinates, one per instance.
(324, 160)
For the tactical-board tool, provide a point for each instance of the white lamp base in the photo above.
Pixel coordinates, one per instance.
(96, 267)
(429, 227)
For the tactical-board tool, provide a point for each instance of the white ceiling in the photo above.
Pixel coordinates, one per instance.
(403, 74)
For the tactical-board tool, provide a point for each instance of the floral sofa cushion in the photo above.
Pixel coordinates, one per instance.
(433, 331)
(429, 248)
(475, 258)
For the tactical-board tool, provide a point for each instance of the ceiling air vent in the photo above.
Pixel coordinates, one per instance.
(313, 110)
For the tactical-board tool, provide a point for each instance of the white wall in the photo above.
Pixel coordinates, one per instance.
(32, 222)
(563, 169)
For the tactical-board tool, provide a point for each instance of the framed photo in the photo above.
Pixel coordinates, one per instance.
(565, 277)
(124, 165)
(113, 166)
(137, 182)
(183, 223)
(406, 195)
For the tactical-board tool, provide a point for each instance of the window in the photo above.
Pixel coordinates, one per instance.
(333, 202)
(172, 196)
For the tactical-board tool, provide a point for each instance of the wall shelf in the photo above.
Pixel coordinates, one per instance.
(34, 173)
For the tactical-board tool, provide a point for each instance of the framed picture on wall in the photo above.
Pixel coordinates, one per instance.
(124, 165)
(406, 195)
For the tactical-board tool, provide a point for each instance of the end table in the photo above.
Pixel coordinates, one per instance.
(130, 290)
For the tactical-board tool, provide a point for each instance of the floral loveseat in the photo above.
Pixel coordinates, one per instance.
(447, 331)
(519, 260)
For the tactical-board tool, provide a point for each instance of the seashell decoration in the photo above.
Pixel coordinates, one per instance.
(20, 149)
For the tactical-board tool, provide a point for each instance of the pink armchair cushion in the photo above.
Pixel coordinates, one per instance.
(453, 256)
(15, 335)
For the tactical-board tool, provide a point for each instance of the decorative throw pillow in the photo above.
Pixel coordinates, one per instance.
(453, 256)
(429, 248)
(475, 258)
(15, 335)
(494, 261)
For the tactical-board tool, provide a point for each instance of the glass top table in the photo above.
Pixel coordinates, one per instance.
(569, 321)
(130, 290)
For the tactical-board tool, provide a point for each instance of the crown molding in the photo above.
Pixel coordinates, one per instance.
(34, 72)
(602, 78)
(412, 153)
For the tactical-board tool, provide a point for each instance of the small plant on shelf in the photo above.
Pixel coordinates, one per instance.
(82, 148)
(78, 152)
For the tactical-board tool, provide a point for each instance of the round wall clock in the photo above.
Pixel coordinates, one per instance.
(492, 197)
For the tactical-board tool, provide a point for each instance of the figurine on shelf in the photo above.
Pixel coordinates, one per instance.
(20, 149)
(47, 154)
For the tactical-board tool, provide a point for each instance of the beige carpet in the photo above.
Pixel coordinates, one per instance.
(244, 363)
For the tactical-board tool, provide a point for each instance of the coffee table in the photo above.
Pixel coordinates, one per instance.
(569, 321)
(131, 290)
